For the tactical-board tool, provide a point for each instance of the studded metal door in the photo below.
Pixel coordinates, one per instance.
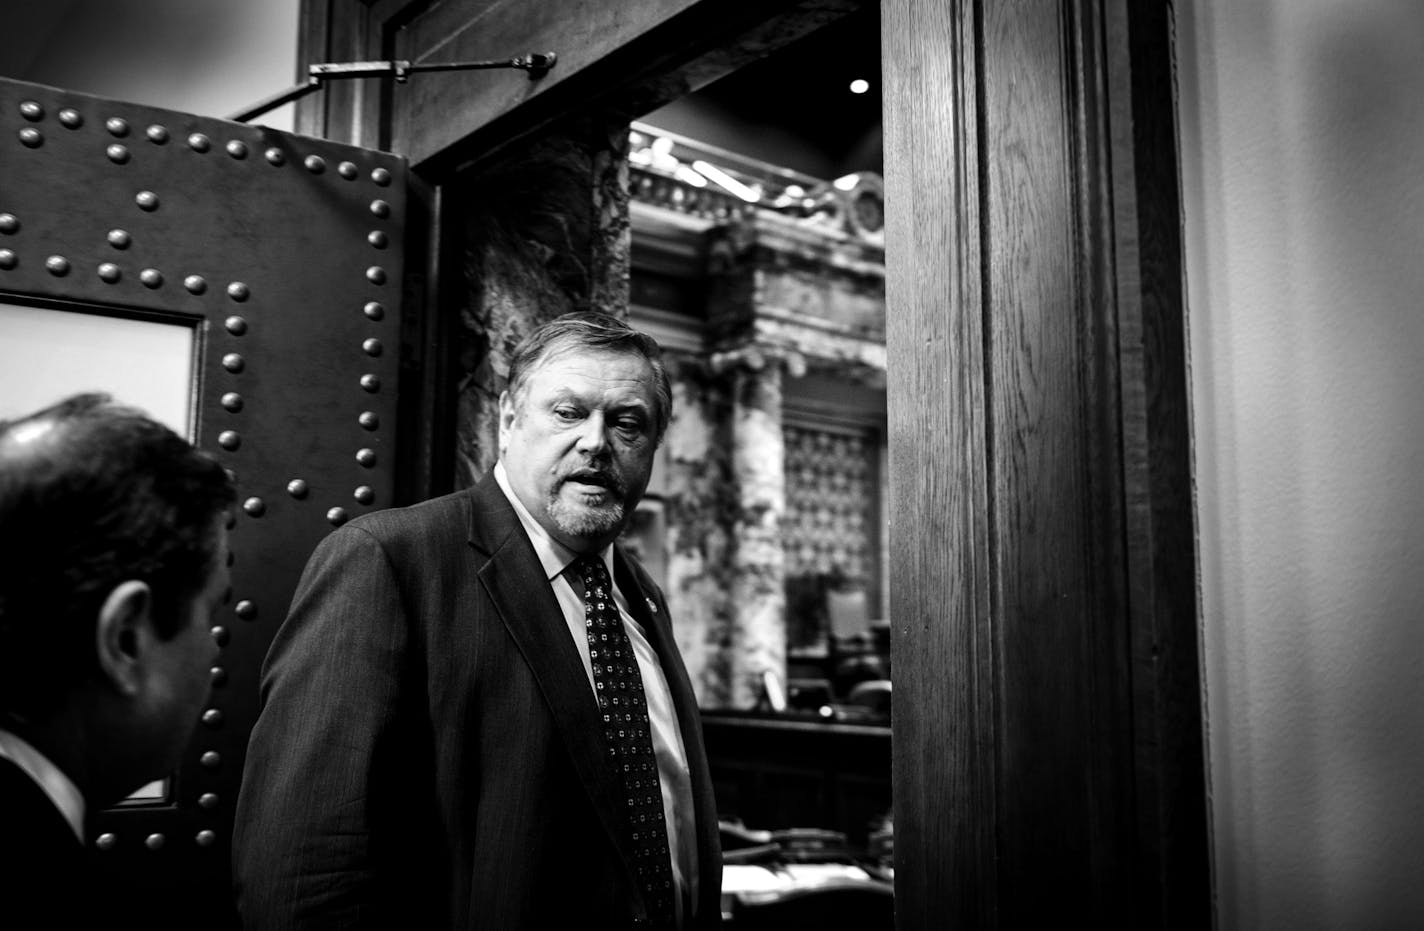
(283, 254)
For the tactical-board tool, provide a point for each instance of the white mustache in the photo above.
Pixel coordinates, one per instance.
(609, 480)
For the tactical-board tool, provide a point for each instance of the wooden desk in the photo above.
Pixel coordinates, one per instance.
(783, 771)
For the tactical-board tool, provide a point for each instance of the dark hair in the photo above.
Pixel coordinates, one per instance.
(92, 494)
(591, 330)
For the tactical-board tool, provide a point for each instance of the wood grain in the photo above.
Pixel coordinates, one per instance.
(941, 601)
(1044, 648)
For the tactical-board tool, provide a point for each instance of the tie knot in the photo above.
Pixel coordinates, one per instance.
(592, 572)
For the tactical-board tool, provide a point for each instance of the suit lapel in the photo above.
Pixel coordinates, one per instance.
(526, 605)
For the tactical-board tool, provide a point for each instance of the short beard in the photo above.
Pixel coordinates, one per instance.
(585, 521)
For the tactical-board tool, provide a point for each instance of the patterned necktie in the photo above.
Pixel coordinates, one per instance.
(627, 736)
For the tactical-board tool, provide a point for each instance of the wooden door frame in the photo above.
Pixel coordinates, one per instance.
(1048, 735)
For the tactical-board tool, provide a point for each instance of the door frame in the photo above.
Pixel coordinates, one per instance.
(1048, 737)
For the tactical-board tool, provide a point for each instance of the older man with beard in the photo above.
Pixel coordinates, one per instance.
(475, 715)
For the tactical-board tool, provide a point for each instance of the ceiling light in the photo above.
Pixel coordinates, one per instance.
(727, 181)
(859, 86)
(688, 176)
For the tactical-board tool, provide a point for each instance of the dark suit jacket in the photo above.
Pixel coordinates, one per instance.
(428, 750)
(45, 876)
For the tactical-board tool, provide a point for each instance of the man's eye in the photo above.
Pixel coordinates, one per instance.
(566, 413)
(630, 424)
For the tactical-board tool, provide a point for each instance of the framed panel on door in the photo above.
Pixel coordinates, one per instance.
(245, 286)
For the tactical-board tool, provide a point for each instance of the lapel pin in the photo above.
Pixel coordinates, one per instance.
(651, 607)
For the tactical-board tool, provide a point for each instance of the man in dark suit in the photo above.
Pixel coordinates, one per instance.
(112, 559)
(475, 715)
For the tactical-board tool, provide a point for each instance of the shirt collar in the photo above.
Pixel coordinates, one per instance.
(554, 557)
(59, 787)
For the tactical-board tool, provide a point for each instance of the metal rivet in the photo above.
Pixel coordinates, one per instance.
(371, 382)
(254, 507)
(380, 208)
(7, 259)
(233, 362)
(208, 800)
(220, 636)
(117, 126)
(376, 274)
(195, 284)
(32, 111)
(213, 717)
(69, 118)
(369, 420)
(229, 440)
(275, 156)
(237, 148)
(31, 138)
(381, 176)
(154, 841)
(218, 676)
(9, 223)
(314, 164)
(232, 402)
(297, 488)
(109, 272)
(375, 310)
(238, 291)
(366, 456)
(336, 516)
(364, 494)
(199, 142)
(156, 134)
(118, 154)
(372, 347)
(58, 265)
(146, 200)
(211, 759)
(151, 278)
(246, 609)
(347, 170)
(378, 239)
(205, 838)
(106, 841)
(119, 239)
(235, 325)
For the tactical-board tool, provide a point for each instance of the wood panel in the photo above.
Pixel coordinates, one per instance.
(1168, 746)
(940, 509)
(1040, 503)
(630, 57)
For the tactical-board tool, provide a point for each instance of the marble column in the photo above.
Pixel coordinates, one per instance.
(545, 232)
(757, 607)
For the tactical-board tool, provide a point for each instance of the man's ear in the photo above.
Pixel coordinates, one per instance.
(506, 419)
(120, 636)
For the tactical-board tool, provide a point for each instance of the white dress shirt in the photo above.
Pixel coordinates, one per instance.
(59, 787)
(668, 747)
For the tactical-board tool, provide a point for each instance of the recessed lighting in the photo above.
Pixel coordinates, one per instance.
(859, 86)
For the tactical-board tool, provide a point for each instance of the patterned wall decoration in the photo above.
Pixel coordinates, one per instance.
(831, 490)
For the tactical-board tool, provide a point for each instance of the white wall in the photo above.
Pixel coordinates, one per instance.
(210, 57)
(1302, 128)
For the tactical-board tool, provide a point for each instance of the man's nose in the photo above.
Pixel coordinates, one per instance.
(593, 437)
